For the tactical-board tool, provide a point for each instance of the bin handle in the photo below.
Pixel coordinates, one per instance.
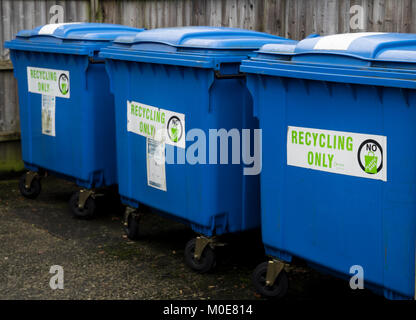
(218, 75)
(94, 61)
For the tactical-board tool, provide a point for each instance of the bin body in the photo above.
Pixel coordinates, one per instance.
(66, 108)
(192, 73)
(347, 199)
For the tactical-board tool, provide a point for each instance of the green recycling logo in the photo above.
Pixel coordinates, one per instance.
(63, 84)
(370, 156)
(175, 129)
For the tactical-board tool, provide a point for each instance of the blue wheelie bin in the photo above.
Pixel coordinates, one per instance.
(66, 108)
(171, 86)
(338, 185)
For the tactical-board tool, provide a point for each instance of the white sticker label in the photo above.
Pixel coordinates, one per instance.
(48, 115)
(156, 167)
(155, 123)
(50, 82)
(50, 28)
(354, 154)
(341, 41)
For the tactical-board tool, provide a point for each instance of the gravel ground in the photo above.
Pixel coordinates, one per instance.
(101, 263)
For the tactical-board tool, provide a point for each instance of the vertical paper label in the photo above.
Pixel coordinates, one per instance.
(50, 82)
(48, 115)
(156, 167)
(353, 154)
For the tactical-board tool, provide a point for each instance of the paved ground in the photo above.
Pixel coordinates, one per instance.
(101, 263)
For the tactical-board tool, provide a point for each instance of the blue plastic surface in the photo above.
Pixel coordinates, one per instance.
(201, 47)
(71, 38)
(335, 221)
(83, 148)
(202, 37)
(212, 199)
(370, 46)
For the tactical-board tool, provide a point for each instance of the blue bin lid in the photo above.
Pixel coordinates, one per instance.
(75, 37)
(197, 43)
(202, 38)
(377, 58)
(370, 46)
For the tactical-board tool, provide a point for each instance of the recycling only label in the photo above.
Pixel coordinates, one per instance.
(156, 123)
(354, 154)
(48, 82)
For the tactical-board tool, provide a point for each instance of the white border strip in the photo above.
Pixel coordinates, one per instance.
(341, 41)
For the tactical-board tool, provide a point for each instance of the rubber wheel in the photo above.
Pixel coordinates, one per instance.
(87, 212)
(206, 261)
(277, 290)
(33, 191)
(132, 228)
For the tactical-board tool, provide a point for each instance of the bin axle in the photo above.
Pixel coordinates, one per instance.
(30, 175)
(202, 242)
(274, 268)
(84, 194)
(133, 213)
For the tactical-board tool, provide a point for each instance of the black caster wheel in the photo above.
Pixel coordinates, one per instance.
(87, 212)
(131, 228)
(277, 290)
(205, 263)
(34, 189)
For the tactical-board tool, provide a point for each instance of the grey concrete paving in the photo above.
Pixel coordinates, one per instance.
(101, 263)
